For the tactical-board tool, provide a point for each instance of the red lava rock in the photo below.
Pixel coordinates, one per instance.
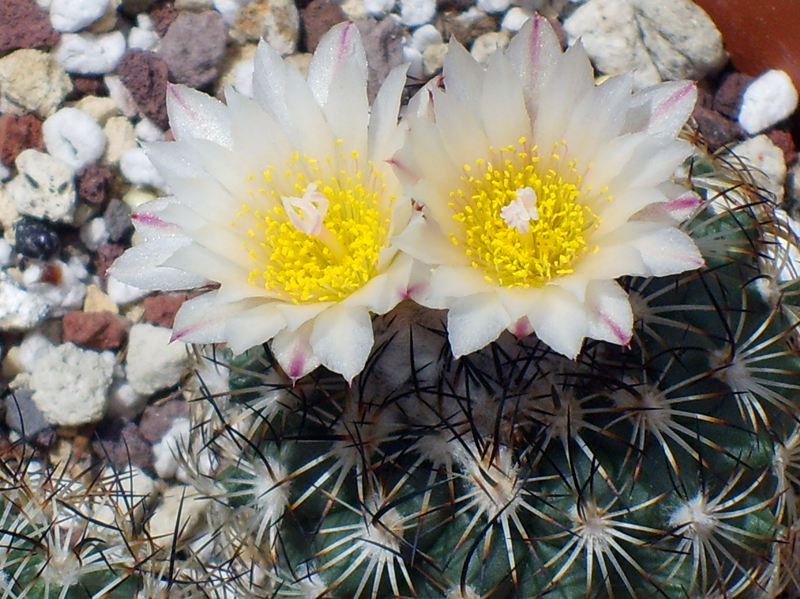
(318, 17)
(715, 128)
(18, 133)
(93, 183)
(194, 47)
(122, 444)
(89, 86)
(160, 309)
(162, 17)
(783, 139)
(728, 97)
(383, 43)
(157, 420)
(94, 330)
(144, 74)
(24, 25)
(106, 254)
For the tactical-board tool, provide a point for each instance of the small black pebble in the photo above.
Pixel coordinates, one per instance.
(36, 239)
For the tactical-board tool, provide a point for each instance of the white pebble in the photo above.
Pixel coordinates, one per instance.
(94, 233)
(416, 12)
(137, 168)
(32, 345)
(378, 8)
(74, 137)
(90, 54)
(68, 16)
(122, 293)
(243, 77)
(5, 172)
(414, 59)
(20, 310)
(181, 509)
(121, 96)
(147, 131)
(514, 19)
(6, 253)
(154, 363)
(124, 401)
(70, 291)
(229, 9)
(70, 384)
(174, 443)
(768, 100)
(425, 36)
(142, 37)
(43, 187)
(494, 6)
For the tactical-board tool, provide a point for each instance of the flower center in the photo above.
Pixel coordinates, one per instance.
(523, 221)
(316, 238)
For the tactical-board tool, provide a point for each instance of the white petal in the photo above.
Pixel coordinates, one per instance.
(463, 77)
(682, 203)
(310, 133)
(269, 86)
(202, 319)
(292, 350)
(503, 112)
(424, 240)
(461, 133)
(340, 45)
(559, 320)
(250, 127)
(385, 137)
(662, 109)
(533, 53)
(201, 261)
(195, 115)
(140, 266)
(665, 250)
(614, 213)
(207, 197)
(342, 339)
(609, 312)
(474, 322)
(297, 315)
(458, 281)
(253, 326)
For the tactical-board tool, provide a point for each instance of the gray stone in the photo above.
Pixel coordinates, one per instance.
(611, 37)
(681, 38)
(22, 415)
(194, 47)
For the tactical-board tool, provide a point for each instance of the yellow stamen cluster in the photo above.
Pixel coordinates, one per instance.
(556, 238)
(300, 267)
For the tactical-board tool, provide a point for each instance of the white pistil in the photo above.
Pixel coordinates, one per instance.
(306, 215)
(521, 211)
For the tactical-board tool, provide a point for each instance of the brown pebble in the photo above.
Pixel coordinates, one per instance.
(122, 444)
(24, 25)
(106, 254)
(383, 43)
(89, 86)
(18, 133)
(93, 183)
(783, 139)
(157, 420)
(161, 309)
(728, 97)
(717, 130)
(194, 47)
(144, 75)
(317, 18)
(94, 330)
(162, 17)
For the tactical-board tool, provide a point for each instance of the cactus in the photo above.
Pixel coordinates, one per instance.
(667, 468)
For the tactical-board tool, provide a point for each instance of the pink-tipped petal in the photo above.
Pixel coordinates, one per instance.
(141, 266)
(559, 320)
(609, 312)
(662, 109)
(202, 319)
(292, 350)
(195, 115)
(664, 250)
(340, 47)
